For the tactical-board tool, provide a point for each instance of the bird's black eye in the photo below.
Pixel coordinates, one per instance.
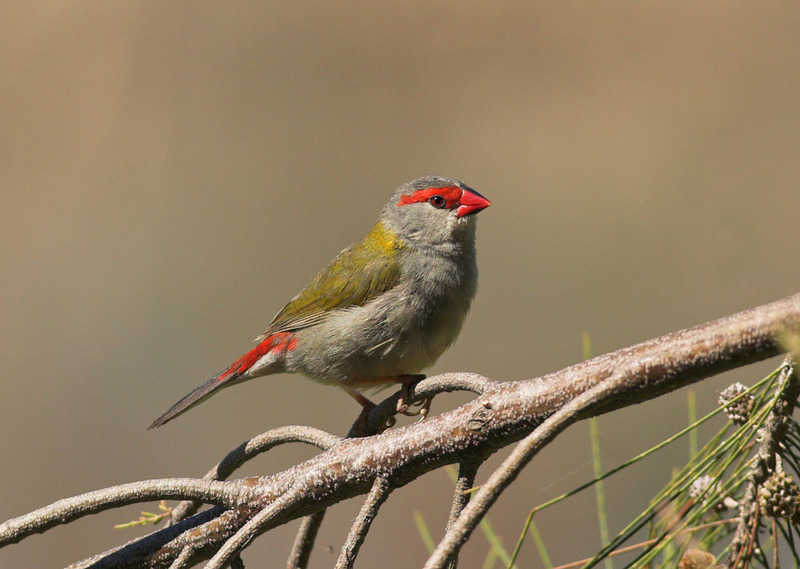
(437, 201)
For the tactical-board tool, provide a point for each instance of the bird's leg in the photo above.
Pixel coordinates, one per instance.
(363, 401)
(407, 382)
(360, 426)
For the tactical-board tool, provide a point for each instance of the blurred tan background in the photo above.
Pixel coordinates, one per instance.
(172, 173)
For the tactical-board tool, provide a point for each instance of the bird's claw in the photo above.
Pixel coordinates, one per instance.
(406, 399)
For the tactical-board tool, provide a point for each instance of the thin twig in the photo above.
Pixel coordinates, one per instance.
(182, 560)
(467, 470)
(304, 541)
(377, 496)
(63, 511)
(139, 553)
(255, 526)
(458, 533)
(686, 348)
(493, 420)
(252, 448)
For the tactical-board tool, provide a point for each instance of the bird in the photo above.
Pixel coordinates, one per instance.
(383, 309)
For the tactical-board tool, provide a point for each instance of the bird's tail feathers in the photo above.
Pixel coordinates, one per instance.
(197, 396)
(250, 365)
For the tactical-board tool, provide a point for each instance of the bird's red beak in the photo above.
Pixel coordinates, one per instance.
(471, 202)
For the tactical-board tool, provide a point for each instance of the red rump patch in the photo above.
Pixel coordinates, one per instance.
(451, 195)
(282, 341)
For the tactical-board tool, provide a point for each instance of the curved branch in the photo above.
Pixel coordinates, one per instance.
(182, 560)
(252, 448)
(449, 382)
(467, 471)
(377, 496)
(304, 541)
(141, 551)
(383, 413)
(679, 355)
(226, 494)
(461, 528)
(266, 441)
(493, 420)
(254, 527)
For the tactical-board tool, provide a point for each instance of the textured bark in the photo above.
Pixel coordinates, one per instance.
(501, 415)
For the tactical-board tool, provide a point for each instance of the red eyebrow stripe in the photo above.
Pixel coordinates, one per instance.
(451, 195)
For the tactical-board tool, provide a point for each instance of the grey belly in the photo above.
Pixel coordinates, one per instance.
(382, 340)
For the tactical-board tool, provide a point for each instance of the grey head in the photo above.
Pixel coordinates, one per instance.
(434, 213)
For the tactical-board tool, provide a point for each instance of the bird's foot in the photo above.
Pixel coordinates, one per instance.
(407, 395)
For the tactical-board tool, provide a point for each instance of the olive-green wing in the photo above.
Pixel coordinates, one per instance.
(358, 274)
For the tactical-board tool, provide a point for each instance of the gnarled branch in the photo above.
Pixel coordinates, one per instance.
(535, 410)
